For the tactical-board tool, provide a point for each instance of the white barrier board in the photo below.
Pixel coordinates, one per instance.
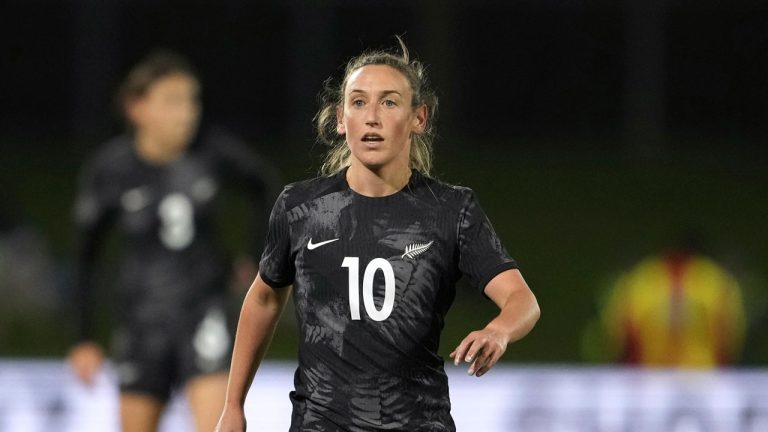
(42, 396)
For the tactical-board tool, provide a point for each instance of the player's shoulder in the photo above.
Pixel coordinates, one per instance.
(111, 155)
(444, 192)
(302, 191)
(217, 139)
(220, 145)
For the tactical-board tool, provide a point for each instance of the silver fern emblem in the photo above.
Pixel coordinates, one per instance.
(416, 249)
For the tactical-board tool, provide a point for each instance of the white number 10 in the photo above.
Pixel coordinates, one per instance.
(353, 264)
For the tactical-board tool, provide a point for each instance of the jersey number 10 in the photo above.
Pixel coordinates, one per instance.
(353, 264)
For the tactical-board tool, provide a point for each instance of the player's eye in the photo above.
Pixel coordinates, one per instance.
(358, 102)
(389, 103)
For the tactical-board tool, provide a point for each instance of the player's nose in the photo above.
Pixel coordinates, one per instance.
(372, 117)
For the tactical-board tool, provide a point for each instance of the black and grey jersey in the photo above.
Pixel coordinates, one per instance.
(170, 259)
(373, 279)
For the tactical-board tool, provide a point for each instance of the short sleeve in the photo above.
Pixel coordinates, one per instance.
(481, 254)
(276, 267)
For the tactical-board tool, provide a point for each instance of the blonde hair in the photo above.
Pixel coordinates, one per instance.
(332, 97)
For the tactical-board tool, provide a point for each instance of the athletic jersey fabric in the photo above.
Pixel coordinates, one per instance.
(678, 309)
(372, 281)
(170, 260)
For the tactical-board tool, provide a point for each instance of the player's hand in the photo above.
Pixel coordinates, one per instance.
(481, 348)
(231, 420)
(86, 359)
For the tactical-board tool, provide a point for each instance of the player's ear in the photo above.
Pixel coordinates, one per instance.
(340, 129)
(420, 119)
(133, 110)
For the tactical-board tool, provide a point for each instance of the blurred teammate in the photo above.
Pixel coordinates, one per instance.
(678, 309)
(159, 184)
(372, 250)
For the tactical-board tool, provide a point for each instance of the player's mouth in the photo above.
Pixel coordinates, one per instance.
(372, 138)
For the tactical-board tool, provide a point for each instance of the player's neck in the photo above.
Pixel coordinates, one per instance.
(153, 151)
(377, 182)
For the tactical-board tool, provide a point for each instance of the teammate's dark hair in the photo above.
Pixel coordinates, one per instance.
(155, 66)
(332, 97)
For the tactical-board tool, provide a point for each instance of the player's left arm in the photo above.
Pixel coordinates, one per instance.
(260, 180)
(519, 313)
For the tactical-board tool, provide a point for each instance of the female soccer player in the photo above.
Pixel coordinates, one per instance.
(373, 249)
(159, 184)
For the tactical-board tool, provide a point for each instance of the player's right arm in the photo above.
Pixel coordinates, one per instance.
(261, 310)
(93, 214)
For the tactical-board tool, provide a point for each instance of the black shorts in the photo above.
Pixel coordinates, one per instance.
(157, 358)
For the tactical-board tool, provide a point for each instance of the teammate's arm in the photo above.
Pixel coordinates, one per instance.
(86, 356)
(519, 313)
(257, 178)
(92, 218)
(261, 310)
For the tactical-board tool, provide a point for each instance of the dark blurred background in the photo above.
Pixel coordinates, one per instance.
(594, 132)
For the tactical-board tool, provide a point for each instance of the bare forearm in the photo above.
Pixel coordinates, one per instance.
(517, 316)
(519, 313)
(258, 320)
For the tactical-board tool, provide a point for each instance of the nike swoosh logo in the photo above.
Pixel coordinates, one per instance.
(311, 245)
(136, 199)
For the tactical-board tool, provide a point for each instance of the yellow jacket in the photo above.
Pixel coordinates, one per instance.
(676, 310)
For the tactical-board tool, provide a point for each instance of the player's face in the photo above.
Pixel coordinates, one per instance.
(168, 112)
(378, 118)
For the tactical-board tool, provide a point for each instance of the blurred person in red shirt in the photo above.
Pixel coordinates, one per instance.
(679, 308)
